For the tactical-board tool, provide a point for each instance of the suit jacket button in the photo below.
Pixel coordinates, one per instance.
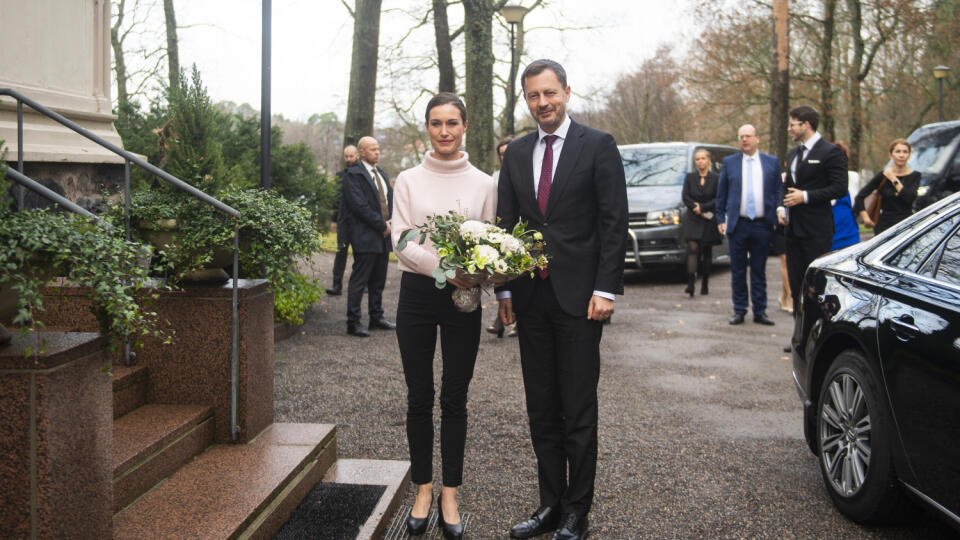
(545, 224)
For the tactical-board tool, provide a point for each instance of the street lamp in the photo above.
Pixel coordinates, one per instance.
(513, 13)
(939, 73)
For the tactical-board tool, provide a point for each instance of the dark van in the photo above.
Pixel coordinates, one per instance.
(655, 173)
(936, 154)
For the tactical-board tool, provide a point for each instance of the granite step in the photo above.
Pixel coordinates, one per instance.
(393, 474)
(234, 490)
(129, 388)
(152, 442)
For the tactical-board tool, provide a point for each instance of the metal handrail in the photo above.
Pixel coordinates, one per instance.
(44, 191)
(160, 173)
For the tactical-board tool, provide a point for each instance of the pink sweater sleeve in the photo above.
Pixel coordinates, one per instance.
(414, 255)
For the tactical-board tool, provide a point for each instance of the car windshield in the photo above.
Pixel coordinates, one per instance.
(931, 149)
(654, 166)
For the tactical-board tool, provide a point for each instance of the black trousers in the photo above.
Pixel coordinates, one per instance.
(560, 358)
(339, 266)
(800, 253)
(421, 309)
(369, 274)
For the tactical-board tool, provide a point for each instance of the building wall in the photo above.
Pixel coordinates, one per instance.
(57, 52)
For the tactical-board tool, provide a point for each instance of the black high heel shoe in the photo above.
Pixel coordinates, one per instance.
(450, 532)
(417, 526)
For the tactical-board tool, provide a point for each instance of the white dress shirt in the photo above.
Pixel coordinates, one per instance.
(752, 162)
(807, 145)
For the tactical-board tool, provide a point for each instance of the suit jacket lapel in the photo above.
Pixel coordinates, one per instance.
(568, 158)
(525, 191)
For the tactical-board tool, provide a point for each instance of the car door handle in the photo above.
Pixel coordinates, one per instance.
(904, 328)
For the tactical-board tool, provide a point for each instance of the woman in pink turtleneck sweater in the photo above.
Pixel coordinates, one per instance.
(444, 181)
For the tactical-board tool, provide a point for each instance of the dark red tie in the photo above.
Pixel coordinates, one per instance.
(543, 188)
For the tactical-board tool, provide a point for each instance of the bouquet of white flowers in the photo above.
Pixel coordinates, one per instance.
(485, 254)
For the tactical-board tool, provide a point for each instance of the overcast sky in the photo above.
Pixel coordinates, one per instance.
(312, 42)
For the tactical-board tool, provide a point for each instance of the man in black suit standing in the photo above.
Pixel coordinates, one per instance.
(566, 181)
(350, 158)
(816, 174)
(367, 204)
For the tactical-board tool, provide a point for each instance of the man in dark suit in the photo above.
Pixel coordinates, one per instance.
(566, 181)
(350, 158)
(816, 174)
(748, 193)
(367, 204)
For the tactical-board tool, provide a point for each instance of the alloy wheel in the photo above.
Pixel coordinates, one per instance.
(845, 435)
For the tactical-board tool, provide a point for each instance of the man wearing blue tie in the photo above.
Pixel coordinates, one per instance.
(748, 193)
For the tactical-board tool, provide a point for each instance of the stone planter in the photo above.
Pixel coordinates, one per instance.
(164, 234)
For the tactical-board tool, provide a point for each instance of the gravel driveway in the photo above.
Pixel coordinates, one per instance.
(700, 433)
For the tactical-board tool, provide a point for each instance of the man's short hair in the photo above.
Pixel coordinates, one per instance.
(539, 66)
(503, 142)
(806, 113)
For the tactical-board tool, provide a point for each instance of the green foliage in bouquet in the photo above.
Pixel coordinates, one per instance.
(484, 252)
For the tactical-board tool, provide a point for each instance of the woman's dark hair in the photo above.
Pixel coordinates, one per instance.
(504, 141)
(446, 98)
(843, 146)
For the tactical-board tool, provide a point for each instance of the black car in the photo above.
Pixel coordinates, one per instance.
(877, 364)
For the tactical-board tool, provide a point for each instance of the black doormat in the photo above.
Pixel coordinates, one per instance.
(332, 511)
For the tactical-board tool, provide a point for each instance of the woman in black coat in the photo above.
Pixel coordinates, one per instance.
(700, 225)
(898, 186)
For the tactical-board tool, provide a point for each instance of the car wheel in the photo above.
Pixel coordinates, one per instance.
(855, 441)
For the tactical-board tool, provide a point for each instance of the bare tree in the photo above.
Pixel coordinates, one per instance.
(478, 24)
(361, 100)
(780, 80)
(173, 47)
(444, 41)
(131, 22)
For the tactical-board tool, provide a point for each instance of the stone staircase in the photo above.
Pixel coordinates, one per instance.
(170, 480)
(146, 451)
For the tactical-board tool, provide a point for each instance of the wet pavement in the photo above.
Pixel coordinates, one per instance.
(700, 423)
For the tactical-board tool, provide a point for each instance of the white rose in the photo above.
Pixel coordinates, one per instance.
(484, 256)
(473, 230)
(511, 245)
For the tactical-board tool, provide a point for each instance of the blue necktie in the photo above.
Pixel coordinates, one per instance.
(751, 209)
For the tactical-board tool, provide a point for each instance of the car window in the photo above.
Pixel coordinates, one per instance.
(911, 256)
(949, 268)
(654, 166)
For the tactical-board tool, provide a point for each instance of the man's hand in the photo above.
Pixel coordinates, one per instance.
(722, 227)
(506, 311)
(599, 309)
(793, 197)
(782, 217)
(386, 232)
(696, 209)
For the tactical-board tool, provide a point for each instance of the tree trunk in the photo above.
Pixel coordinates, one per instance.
(448, 77)
(826, 61)
(120, 67)
(478, 24)
(173, 47)
(856, 102)
(361, 101)
(780, 81)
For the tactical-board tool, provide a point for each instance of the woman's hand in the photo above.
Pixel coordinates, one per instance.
(459, 281)
(866, 219)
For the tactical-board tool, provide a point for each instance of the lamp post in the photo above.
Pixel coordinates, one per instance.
(939, 73)
(513, 13)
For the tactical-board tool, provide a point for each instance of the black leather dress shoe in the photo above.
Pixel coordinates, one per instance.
(357, 330)
(787, 348)
(382, 324)
(450, 532)
(573, 527)
(545, 519)
(334, 291)
(761, 318)
(417, 526)
(737, 318)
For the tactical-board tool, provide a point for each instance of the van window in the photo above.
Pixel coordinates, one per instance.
(655, 166)
(931, 149)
